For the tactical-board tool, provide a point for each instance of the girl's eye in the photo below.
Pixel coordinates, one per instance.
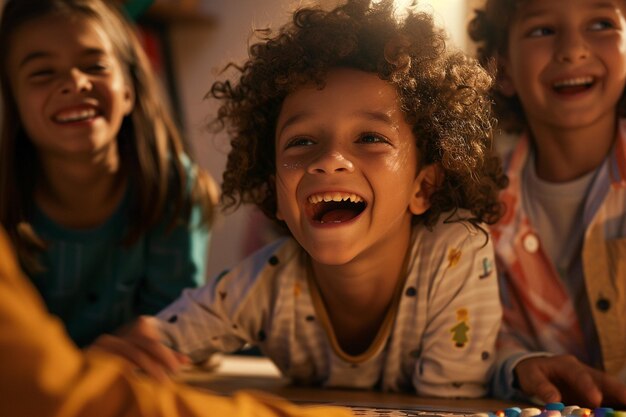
(299, 141)
(372, 138)
(540, 32)
(41, 73)
(601, 25)
(97, 68)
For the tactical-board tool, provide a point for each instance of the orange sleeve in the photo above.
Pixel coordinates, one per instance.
(42, 373)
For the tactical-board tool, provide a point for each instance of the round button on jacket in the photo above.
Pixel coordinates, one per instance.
(603, 304)
(531, 243)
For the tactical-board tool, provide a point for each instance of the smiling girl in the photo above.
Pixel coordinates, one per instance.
(108, 213)
(561, 244)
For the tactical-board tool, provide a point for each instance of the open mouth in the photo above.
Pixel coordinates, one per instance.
(574, 85)
(335, 207)
(77, 115)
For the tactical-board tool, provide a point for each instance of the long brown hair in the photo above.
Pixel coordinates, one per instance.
(150, 146)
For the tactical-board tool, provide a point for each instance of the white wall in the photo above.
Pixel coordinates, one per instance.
(200, 51)
(452, 15)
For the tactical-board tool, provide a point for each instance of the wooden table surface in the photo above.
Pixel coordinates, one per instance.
(253, 373)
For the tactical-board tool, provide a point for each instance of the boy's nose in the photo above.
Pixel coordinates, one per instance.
(571, 47)
(75, 81)
(329, 162)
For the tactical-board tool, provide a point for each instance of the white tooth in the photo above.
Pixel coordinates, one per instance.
(77, 115)
(326, 197)
(574, 82)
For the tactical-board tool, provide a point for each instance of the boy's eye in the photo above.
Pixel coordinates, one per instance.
(540, 32)
(372, 138)
(299, 141)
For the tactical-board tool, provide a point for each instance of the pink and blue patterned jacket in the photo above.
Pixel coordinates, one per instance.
(539, 315)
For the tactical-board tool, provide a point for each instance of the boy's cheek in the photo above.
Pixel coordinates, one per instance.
(281, 203)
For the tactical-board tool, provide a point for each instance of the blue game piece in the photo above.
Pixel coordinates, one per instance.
(603, 412)
(512, 412)
(555, 406)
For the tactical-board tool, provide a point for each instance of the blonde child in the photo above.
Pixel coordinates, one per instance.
(370, 143)
(108, 214)
(560, 245)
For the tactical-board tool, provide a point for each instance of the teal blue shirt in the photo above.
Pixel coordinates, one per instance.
(94, 283)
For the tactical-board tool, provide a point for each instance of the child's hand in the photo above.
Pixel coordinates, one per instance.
(564, 378)
(140, 343)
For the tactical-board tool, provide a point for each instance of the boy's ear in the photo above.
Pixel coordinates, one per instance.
(427, 181)
(503, 80)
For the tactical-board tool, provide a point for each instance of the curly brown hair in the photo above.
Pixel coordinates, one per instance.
(489, 29)
(443, 95)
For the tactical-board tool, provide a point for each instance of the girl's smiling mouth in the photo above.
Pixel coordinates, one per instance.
(334, 207)
(573, 85)
(76, 115)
